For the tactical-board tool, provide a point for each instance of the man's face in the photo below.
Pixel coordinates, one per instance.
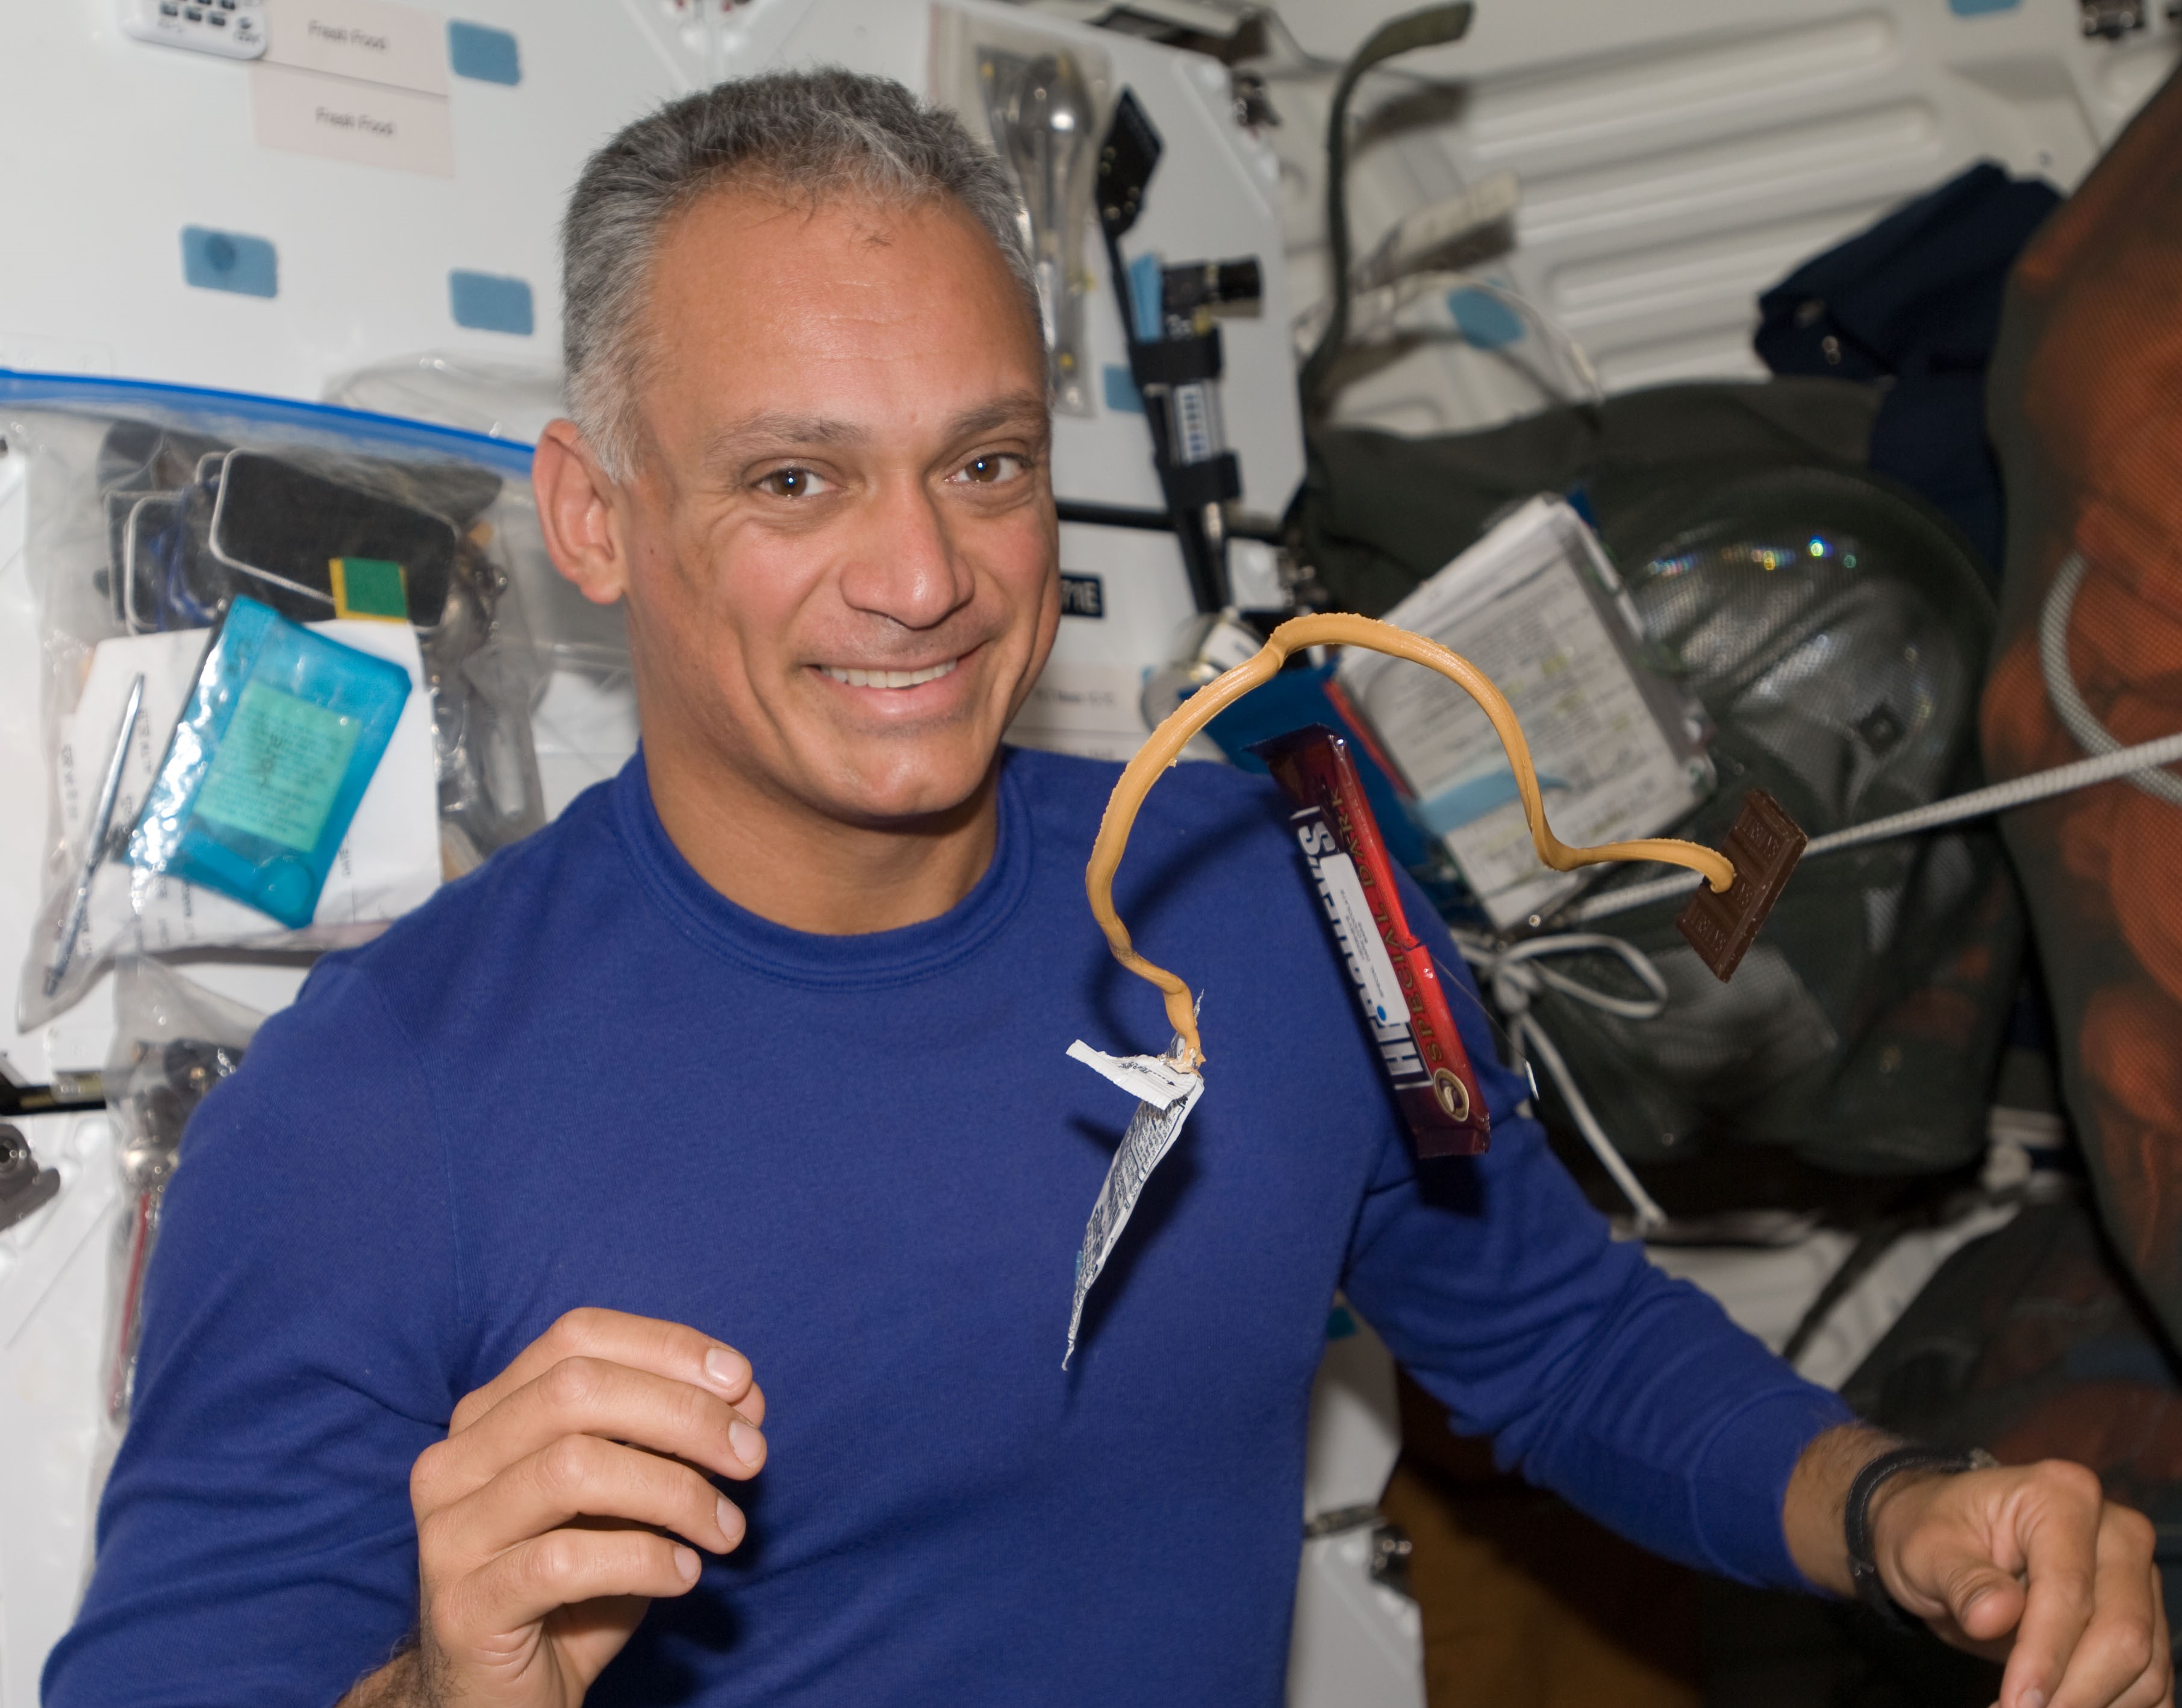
(840, 548)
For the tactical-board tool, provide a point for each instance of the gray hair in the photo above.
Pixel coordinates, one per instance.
(817, 135)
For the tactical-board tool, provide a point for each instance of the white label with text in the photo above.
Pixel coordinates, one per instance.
(368, 125)
(402, 46)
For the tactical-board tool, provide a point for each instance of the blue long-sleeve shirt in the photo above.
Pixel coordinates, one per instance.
(582, 1077)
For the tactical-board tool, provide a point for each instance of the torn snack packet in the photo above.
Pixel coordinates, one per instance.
(1152, 1133)
(1157, 1080)
(1396, 985)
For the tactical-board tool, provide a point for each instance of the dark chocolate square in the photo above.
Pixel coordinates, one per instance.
(1764, 843)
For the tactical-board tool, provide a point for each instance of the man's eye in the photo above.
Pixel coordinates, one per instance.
(794, 483)
(987, 471)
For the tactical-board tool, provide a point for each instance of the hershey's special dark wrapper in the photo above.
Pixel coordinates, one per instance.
(1419, 1048)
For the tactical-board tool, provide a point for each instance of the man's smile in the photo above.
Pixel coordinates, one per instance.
(891, 678)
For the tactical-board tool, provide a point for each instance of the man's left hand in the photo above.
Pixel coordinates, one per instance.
(2033, 1565)
(2028, 1564)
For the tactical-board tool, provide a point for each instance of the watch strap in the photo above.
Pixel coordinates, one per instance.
(1856, 1518)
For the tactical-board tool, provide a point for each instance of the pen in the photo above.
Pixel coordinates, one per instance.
(102, 821)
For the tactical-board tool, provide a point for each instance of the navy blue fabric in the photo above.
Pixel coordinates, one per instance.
(581, 1077)
(1915, 301)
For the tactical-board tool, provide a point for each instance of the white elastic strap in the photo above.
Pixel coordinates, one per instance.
(2109, 759)
(1516, 977)
(2078, 719)
(1650, 1215)
(2000, 797)
(1372, 312)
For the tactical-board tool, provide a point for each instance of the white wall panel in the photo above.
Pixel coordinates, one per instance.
(1675, 159)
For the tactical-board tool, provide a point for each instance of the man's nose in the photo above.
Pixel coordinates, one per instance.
(905, 567)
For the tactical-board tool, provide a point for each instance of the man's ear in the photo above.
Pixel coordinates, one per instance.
(576, 514)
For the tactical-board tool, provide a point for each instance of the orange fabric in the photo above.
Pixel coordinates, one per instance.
(2125, 634)
(2098, 1422)
(2086, 413)
(2021, 732)
(2142, 878)
(2086, 836)
(2127, 1039)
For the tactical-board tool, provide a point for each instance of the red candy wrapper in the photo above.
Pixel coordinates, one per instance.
(1396, 982)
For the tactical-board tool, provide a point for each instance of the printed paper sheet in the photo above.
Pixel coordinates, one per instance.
(1515, 606)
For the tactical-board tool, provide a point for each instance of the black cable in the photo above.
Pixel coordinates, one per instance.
(1099, 515)
(1873, 1243)
(1433, 27)
(1114, 515)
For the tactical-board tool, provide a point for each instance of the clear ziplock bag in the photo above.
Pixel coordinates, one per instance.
(152, 511)
(174, 1040)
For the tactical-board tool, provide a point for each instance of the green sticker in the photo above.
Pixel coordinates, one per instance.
(369, 587)
(278, 767)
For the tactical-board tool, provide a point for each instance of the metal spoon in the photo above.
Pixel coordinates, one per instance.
(1048, 140)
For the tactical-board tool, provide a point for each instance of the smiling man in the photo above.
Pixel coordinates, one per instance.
(754, 1060)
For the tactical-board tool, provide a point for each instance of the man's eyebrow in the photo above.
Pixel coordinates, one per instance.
(775, 427)
(1024, 409)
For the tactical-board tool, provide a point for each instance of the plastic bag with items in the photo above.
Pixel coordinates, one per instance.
(289, 677)
(174, 1040)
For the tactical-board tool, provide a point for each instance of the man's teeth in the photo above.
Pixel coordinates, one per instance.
(891, 679)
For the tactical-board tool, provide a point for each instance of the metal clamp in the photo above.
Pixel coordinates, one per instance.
(24, 1187)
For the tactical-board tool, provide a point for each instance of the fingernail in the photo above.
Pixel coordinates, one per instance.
(2033, 1698)
(728, 1371)
(685, 1562)
(748, 1445)
(730, 1520)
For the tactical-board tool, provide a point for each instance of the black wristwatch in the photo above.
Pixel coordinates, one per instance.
(1856, 1519)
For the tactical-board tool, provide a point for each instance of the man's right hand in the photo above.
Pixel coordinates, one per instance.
(545, 1520)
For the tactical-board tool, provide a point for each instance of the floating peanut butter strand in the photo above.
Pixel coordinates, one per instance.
(1334, 629)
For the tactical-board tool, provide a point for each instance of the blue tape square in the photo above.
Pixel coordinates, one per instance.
(1122, 396)
(1484, 318)
(1974, 9)
(490, 303)
(481, 51)
(229, 261)
(1148, 298)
